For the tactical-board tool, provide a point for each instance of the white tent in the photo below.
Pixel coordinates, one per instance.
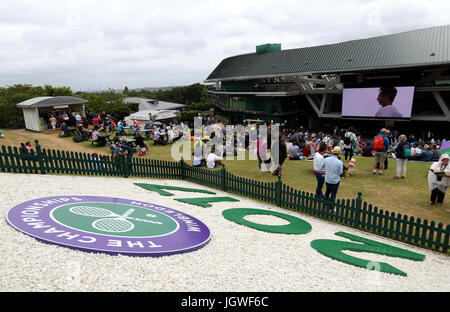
(156, 105)
(142, 117)
(45, 104)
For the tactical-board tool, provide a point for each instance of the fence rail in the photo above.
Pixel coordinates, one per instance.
(354, 213)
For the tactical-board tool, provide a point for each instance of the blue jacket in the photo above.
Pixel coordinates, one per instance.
(333, 169)
(386, 143)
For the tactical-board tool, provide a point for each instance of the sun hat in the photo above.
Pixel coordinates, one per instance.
(336, 150)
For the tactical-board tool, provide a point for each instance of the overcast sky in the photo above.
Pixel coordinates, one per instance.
(91, 45)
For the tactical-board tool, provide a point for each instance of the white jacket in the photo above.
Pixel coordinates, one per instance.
(432, 178)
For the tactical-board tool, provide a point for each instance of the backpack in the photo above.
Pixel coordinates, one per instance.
(78, 138)
(406, 151)
(378, 143)
(347, 140)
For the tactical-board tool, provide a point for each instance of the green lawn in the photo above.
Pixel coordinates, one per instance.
(406, 196)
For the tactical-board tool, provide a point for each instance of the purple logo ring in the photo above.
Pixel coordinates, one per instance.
(109, 225)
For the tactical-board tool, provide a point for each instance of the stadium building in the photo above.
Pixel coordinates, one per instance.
(306, 86)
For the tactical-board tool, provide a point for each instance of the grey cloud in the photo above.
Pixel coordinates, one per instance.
(90, 44)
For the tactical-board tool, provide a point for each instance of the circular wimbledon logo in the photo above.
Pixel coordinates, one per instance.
(110, 225)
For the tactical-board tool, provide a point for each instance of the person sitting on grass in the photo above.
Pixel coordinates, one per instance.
(116, 138)
(213, 160)
(140, 141)
(307, 150)
(199, 159)
(120, 128)
(436, 153)
(156, 136)
(63, 130)
(29, 148)
(95, 134)
(426, 155)
(106, 125)
(294, 151)
(23, 149)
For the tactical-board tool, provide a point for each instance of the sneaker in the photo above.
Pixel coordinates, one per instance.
(430, 203)
(403, 177)
(438, 204)
(374, 172)
(396, 177)
(381, 173)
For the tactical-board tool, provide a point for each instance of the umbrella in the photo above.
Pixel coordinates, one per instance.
(218, 126)
(157, 123)
(445, 148)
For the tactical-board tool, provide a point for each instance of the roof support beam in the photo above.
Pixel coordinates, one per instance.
(314, 105)
(442, 104)
(429, 118)
(322, 105)
(318, 81)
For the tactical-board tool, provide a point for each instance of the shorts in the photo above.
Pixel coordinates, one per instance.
(380, 157)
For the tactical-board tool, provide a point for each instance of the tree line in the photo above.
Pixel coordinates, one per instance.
(194, 97)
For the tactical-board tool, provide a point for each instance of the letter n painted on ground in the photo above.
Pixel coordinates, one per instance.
(334, 249)
(160, 189)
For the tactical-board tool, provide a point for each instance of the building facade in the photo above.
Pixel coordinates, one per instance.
(305, 86)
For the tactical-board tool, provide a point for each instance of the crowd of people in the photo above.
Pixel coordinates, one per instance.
(332, 152)
(326, 149)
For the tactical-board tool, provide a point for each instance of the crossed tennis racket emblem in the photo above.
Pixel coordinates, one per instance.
(110, 221)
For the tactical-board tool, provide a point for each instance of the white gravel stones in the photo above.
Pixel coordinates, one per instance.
(237, 258)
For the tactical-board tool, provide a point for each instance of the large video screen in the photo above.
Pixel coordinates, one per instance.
(382, 103)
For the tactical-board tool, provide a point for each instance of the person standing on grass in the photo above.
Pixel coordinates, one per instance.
(380, 145)
(53, 122)
(318, 172)
(140, 141)
(333, 170)
(78, 121)
(438, 184)
(282, 154)
(402, 153)
(349, 139)
(96, 121)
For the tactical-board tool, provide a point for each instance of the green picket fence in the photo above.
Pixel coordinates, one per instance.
(354, 213)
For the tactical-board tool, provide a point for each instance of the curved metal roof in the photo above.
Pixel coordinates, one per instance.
(423, 47)
(47, 101)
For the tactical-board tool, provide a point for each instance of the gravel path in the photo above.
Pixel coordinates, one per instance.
(236, 259)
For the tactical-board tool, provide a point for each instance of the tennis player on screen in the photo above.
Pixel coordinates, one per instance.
(385, 98)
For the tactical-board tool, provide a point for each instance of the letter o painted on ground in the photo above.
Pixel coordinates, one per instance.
(295, 226)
